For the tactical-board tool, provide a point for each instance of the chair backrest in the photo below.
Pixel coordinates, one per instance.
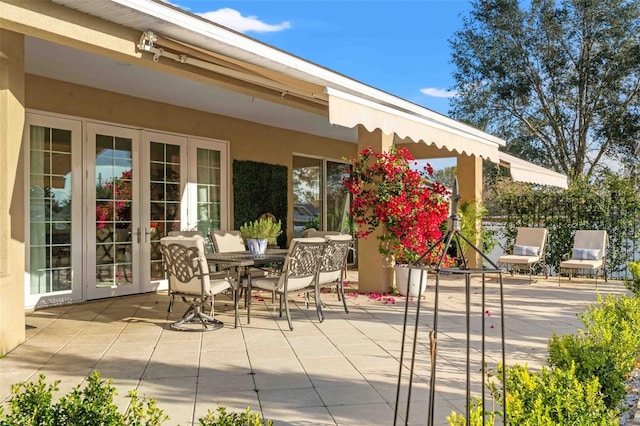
(186, 264)
(227, 241)
(334, 258)
(184, 233)
(313, 232)
(532, 237)
(590, 240)
(302, 263)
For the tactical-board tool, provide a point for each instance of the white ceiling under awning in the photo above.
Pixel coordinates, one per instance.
(349, 111)
(524, 171)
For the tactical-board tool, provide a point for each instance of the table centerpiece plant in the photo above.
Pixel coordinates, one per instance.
(387, 192)
(259, 233)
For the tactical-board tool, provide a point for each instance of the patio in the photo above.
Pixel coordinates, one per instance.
(339, 372)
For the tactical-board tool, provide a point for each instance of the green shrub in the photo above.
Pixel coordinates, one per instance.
(550, 397)
(607, 349)
(222, 418)
(555, 396)
(585, 382)
(32, 404)
(634, 283)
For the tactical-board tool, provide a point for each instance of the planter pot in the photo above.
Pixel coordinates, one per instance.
(413, 286)
(257, 246)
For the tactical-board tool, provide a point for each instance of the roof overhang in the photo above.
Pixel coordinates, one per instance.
(524, 171)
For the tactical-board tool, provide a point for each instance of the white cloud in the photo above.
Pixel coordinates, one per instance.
(233, 19)
(439, 93)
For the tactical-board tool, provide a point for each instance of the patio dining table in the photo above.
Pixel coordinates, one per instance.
(242, 261)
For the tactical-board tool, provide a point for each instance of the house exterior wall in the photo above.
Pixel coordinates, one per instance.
(12, 244)
(247, 140)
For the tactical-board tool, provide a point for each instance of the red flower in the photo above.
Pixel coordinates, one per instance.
(387, 192)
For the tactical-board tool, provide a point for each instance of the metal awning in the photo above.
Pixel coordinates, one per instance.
(524, 171)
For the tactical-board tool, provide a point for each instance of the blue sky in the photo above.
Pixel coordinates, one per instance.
(399, 46)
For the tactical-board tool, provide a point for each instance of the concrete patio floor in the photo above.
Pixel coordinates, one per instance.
(343, 371)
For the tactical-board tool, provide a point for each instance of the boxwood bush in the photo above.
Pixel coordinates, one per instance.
(584, 383)
(32, 404)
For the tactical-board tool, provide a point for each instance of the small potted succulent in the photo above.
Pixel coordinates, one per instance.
(259, 233)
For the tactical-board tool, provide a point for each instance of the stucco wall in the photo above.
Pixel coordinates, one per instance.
(12, 249)
(247, 140)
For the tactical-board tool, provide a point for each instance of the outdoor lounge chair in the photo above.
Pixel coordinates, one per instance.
(589, 253)
(190, 279)
(299, 273)
(528, 250)
(333, 268)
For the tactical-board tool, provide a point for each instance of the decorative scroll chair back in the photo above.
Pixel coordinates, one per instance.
(189, 278)
(301, 266)
(186, 264)
(333, 268)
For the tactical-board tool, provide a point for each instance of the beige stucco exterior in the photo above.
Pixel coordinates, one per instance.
(21, 92)
(12, 244)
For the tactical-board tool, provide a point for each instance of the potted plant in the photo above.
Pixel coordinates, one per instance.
(387, 192)
(259, 233)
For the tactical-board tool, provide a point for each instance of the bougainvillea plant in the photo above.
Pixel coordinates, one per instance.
(387, 192)
(113, 200)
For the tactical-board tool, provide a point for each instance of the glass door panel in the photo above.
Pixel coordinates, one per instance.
(165, 167)
(307, 194)
(208, 168)
(338, 199)
(112, 195)
(54, 258)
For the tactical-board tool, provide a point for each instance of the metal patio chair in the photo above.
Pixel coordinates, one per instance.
(333, 269)
(190, 279)
(299, 273)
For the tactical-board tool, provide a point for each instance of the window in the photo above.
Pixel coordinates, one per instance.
(320, 200)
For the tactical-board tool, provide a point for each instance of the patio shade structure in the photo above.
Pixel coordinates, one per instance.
(441, 247)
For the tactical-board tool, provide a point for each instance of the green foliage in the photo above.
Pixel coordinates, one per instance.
(610, 203)
(262, 229)
(550, 397)
(260, 188)
(585, 381)
(222, 418)
(634, 283)
(607, 349)
(470, 214)
(32, 404)
(557, 79)
(477, 416)
(555, 396)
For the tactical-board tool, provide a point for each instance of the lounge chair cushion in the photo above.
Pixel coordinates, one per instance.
(586, 254)
(512, 258)
(519, 250)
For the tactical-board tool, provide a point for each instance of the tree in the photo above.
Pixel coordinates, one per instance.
(560, 81)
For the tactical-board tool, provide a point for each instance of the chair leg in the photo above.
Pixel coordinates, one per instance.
(316, 296)
(172, 299)
(341, 293)
(286, 309)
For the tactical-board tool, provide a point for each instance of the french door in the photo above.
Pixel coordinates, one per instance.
(54, 223)
(114, 209)
(98, 209)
